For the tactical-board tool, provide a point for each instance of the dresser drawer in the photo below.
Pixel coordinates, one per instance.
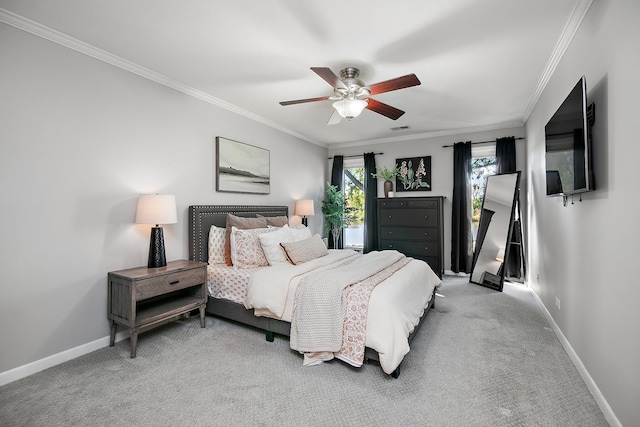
(153, 286)
(409, 217)
(409, 203)
(411, 248)
(409, 233)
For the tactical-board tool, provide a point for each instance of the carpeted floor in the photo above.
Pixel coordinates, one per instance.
(481, 358)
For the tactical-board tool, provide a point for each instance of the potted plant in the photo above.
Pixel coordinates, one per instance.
(337, 215)
(388, 176)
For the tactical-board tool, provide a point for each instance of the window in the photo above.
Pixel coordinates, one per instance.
(354, 194)
(483, 164)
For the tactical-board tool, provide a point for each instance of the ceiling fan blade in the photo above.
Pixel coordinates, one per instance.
(301, 101)
(334, 119)
(384, 109)
(329, 76)
(394, 84)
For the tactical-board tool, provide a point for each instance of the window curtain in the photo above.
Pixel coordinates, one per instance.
(506, 154)
(461, 238)
(370, 204)
(337, 179)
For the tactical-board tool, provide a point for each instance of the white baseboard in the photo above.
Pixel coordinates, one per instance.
(56, 359)
(608, 413)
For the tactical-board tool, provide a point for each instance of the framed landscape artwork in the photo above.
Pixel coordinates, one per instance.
(241, 168)
(414, 174)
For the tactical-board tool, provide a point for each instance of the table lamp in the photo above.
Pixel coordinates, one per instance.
(304, 208)
(156, 209)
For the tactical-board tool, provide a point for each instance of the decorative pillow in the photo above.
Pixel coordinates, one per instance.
(240, 223)
(299, 233)
(246, 250)
(305, 250)
(216, 245)
(270, 243)
(275, 221)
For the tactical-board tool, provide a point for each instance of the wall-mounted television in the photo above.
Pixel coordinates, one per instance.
(568, 145)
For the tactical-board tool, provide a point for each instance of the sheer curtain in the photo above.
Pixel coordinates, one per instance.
(337, 179)
(461, 238)
(370, 204)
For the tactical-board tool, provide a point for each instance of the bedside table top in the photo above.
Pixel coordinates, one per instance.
(145, 272)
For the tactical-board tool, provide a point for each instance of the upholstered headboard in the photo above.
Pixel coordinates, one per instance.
(202, 217)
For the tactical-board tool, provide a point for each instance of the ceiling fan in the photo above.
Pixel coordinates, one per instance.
(352, 96)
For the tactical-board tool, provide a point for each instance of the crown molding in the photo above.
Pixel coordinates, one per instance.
(570, 29)
(65, 40)
(429, 135)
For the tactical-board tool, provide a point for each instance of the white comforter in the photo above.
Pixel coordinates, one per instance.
(395, 307)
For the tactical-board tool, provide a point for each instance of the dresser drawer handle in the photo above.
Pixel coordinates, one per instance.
(391, 232)
(426, 217)
(426, 233)
(390, 216)
(175, 282)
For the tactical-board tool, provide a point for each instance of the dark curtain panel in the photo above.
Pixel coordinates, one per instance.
(506, 154)
(337, 179)
(461, 238)
(506, 160)
(370, 204)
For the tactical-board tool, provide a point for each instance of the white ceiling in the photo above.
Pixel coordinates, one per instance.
(482, 63)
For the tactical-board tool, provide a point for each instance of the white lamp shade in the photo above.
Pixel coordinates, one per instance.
(304, 208)
(156, 209)
(350, 108)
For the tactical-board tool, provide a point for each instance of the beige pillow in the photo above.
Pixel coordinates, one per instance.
(305, 250)
(243, 224)
(275, 221)
(217, 237)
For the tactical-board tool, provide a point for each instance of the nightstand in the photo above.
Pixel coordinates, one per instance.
(143, 298)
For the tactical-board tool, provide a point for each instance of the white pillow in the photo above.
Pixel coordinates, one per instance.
(245, 247)
(298, 234)
(270, 243)
(216, 245)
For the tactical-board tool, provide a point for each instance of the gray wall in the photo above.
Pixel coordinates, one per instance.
(441, 165)
(586, 254)
(80, 139)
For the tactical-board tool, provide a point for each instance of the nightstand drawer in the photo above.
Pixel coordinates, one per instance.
(154, 286)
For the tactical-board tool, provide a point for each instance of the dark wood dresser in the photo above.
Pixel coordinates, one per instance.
(413, 226)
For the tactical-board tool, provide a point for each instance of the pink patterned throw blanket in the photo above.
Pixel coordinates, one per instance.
(330, 309)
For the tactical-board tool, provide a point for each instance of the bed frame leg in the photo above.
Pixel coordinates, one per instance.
(270, 336)
(395, 374)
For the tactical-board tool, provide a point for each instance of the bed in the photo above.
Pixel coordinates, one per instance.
(201, 220)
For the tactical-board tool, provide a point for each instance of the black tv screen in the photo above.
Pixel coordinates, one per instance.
(568, 146)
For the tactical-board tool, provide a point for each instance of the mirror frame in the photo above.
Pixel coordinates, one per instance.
(480, 238)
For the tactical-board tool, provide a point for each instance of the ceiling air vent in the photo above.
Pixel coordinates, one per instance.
(400, 128)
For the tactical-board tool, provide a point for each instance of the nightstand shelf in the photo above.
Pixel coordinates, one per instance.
(144, 298)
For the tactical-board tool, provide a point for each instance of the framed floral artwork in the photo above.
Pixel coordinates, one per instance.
(241, 168)
(414, 174)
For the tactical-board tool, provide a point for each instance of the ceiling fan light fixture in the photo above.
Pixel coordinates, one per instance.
(350, 108)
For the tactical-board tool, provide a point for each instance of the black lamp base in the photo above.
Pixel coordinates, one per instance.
(304, 221)
(157, 257)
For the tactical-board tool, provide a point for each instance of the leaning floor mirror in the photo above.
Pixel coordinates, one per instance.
(494, 230)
